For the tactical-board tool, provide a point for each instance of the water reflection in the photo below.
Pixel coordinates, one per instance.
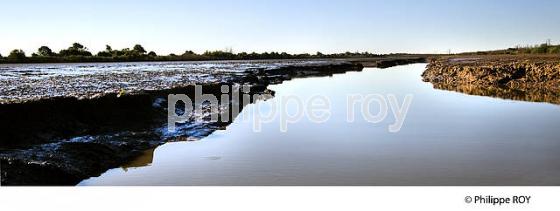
(530, 95)
(145, 159)
(448, 138)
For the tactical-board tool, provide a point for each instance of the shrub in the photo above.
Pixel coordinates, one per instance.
(76, 49)
(17, 55)
(104, 54)
(139, 49)
(45, 51)
(554, 50)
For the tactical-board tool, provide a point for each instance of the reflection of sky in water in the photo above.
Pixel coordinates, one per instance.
(448, 138)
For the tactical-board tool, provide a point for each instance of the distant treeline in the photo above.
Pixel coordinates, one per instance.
(545, 48)
(79, 53)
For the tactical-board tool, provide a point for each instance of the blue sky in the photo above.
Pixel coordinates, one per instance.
(294, 26)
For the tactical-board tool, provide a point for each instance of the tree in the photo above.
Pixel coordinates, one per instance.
(123, 52)
(17, 55)
(152, 54)
(139, 49)
(78, 46)
(189, 52)
(107, 53)
(219, 55)
(104, 54)
(76, 49)
(45, 51)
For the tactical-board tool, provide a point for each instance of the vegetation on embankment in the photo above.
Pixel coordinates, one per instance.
(80, 53)
(520, 77)
(544, 48)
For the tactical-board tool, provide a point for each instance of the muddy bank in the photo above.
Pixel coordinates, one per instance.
(527, 78)
(49, 139)
(63, 141)
(32, 82)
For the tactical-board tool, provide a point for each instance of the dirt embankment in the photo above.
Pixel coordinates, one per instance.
(529, 78)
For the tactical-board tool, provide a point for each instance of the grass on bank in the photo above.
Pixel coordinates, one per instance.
(544, 48)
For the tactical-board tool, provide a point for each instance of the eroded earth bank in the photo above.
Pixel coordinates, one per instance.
(519, 77)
